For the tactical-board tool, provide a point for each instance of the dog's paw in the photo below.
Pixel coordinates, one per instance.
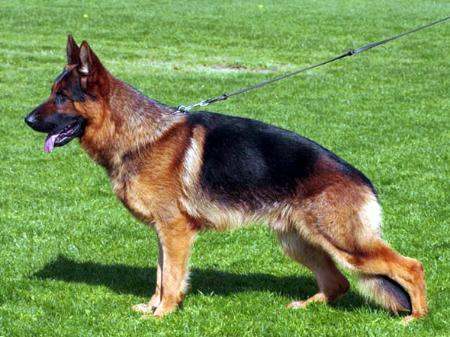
(297, 305)
(407, 320)
(149, 316)
(317, 298)
(163, 311)
(143, 308)
(158, 313)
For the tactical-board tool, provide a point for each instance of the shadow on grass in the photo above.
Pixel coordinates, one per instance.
(140, 281)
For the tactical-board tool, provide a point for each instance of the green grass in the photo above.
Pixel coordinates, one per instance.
(73, 260)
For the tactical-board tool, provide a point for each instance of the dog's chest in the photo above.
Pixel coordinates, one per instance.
(130, 191)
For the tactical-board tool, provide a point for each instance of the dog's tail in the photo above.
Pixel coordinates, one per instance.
(385, 292)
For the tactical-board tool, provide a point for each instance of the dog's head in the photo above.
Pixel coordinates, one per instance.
(75, 98)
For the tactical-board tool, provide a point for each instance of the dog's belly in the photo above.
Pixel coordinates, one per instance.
(219, 216)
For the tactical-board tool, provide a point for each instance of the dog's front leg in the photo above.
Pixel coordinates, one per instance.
(155, 300)
(175, 240)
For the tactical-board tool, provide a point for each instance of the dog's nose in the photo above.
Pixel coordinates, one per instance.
(30, 119)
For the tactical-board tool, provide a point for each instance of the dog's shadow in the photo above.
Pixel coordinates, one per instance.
(140, 281)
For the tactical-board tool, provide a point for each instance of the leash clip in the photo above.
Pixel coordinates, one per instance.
(183, 108)
(188, 108)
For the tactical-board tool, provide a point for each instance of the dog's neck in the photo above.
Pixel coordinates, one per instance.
(129, 121)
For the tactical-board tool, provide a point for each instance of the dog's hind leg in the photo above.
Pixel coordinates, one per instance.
(331, 282)
(345, 222)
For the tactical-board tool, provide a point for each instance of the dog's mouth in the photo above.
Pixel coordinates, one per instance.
(63, 136)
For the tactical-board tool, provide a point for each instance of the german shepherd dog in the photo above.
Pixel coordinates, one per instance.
(183, 173)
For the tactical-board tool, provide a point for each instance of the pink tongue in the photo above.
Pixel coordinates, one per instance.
(50, 143)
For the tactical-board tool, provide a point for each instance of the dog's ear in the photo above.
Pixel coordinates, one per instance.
(73, 51)
(89, 62)
(93, 76)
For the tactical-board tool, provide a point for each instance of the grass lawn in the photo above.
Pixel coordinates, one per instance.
(73, 260)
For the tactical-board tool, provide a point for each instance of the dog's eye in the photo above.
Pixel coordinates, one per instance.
(61, 97)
